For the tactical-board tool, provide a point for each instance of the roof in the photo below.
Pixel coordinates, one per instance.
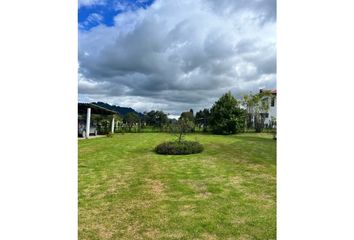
(274, 91)
(95, 109)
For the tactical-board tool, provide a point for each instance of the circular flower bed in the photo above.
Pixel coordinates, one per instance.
(179, 148)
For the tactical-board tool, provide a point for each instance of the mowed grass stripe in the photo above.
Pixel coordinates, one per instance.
(126, 191)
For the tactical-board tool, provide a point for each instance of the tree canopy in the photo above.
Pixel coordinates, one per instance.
(188, 115)
(130, 119)
(202, 118)
(156, 118)
(226, 116)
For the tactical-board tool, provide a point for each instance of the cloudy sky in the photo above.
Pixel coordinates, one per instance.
(174, 55)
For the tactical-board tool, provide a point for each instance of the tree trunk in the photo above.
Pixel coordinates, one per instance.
(180, 137)
(258, 123)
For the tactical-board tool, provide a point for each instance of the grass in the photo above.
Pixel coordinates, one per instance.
(126, 191)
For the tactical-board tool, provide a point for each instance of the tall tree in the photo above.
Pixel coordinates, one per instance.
(156, 119)
(162, 119)
(202, 118)
(131, 119)
(187, 115)
(226, 116)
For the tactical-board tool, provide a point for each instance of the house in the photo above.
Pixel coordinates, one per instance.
(271, 115)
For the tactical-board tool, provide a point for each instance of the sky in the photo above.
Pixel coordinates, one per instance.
(174, 55)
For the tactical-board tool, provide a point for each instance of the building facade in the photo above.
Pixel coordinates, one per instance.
(271, 115)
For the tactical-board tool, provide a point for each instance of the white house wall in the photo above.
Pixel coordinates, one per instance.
(272, 111)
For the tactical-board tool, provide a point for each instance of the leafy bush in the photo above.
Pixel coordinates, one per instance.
(179, 148)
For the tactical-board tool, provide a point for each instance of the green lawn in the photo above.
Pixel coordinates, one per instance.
(126, 191)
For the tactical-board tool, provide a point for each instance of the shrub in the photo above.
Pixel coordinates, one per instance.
(179, 148)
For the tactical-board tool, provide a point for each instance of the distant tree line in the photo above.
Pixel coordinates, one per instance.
(227, 116)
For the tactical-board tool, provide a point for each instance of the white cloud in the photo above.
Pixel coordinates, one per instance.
(90, 2)
(93, 18)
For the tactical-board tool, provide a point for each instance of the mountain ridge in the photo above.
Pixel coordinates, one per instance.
(121, 110)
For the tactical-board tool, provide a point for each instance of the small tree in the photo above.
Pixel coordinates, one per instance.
(181, 128)
(184, 126)
(189, 117)
(226, 117)
(256, 105)
(180, 146)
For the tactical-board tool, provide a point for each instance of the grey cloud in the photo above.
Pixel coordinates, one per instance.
(178, 55)
(263, 10)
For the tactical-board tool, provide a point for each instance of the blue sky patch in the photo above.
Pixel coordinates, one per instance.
(92, 15)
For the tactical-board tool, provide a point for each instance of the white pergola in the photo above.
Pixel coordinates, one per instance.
(97, 109)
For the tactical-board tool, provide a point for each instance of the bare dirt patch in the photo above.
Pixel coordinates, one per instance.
(199, 187)
(103, 232)
(174, 235)
(236, 180)
(187, 210)
(156, 187)
(239, 220)
(152, 234)
(209, 236)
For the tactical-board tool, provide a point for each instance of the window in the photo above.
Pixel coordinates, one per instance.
(273, 101)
